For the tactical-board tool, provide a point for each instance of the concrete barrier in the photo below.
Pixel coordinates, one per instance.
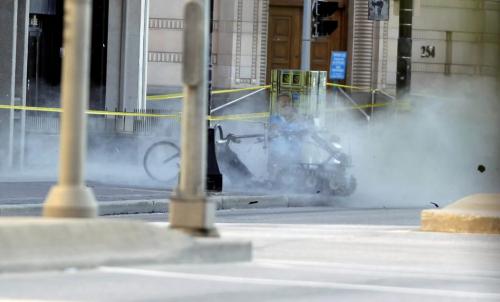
(478, 213)
(31, 244)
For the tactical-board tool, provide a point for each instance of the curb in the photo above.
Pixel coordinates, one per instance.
(479, 213)
(224, 202)
(34, 244)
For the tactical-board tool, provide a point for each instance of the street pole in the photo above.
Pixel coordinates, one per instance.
(214, 178)
(403, 81)
(70, 197)
(10, 153)
(190, 210)
(305, 60)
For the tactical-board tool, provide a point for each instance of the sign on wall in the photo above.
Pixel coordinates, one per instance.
(338, 64)
(378, 10)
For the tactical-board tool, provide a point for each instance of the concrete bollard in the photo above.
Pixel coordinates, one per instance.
(70, 197)
(190, 211)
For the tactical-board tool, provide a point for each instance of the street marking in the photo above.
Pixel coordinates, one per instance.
(366, 269)
(300, 283)
(24, 300)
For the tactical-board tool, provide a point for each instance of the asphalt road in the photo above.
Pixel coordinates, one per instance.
(29, 192)
(308, 254)
(306, 215)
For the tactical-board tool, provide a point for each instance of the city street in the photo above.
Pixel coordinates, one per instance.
(35, 192)
(306, 254)
(241, 151)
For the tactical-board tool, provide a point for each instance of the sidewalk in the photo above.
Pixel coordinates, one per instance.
(19, 198)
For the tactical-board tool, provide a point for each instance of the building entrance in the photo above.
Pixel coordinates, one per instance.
(45, 53)
(285, 36)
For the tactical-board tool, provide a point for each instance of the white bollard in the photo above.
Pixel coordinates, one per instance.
(189, 209)
(70, 197)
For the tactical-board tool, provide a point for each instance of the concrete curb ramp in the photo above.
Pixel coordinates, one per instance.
(31, 244)
(478, 213)
(224, 202)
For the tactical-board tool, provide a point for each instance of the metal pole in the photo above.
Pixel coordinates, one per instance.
(403, 81)
(373, 102)
(214, 180)
(22, 145)
(10, 154)
(70, 197)
(237, 100)
(305, 60)
(189, 209)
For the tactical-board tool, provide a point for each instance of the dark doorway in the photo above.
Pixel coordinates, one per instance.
(45, 53)
(99, 54)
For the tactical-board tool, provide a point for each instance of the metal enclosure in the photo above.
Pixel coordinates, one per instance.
(307, 90)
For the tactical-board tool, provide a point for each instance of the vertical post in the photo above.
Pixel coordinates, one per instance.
(449, 53)
(373, 103)
(22, 77)
(70, 197)
(11, 18)
(189, 209)
(403, 81)
(210, 65)
(305, 60)
(214, 181)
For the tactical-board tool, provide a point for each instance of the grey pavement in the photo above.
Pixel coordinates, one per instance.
(33, 192)
(306, 215)
(328, 255)
(25, 198)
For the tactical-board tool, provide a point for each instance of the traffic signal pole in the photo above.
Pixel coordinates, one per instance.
(190, 210)
(403, 81)
(305, 60)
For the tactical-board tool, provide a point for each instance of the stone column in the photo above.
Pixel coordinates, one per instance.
(113, 67)
(132, 49)
(127, 56)
(250, 42)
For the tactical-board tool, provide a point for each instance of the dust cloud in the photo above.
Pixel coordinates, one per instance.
(442, 147)
(433, 152)
(445, 146)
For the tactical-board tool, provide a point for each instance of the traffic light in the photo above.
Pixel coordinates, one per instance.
(321, 11)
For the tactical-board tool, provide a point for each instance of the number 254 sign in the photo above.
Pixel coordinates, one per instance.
(427, 51)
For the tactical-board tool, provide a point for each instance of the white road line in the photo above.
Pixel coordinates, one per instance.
(22, 300)
(365, 269)
(301, 283)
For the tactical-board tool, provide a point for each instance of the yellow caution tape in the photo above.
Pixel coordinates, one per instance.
(349, 87)
(246, 116)
(91, 112)
(359, 107)
(241, 89)
(27, 108)
(139, 114)
(179, 95)
(237, 117)
(164, 97)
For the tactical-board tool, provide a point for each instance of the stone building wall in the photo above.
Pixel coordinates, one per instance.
(239, 43)
(463, 33)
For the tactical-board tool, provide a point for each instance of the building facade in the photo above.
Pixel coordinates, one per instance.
(251, 37)
(137, 49)
(137, 45)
